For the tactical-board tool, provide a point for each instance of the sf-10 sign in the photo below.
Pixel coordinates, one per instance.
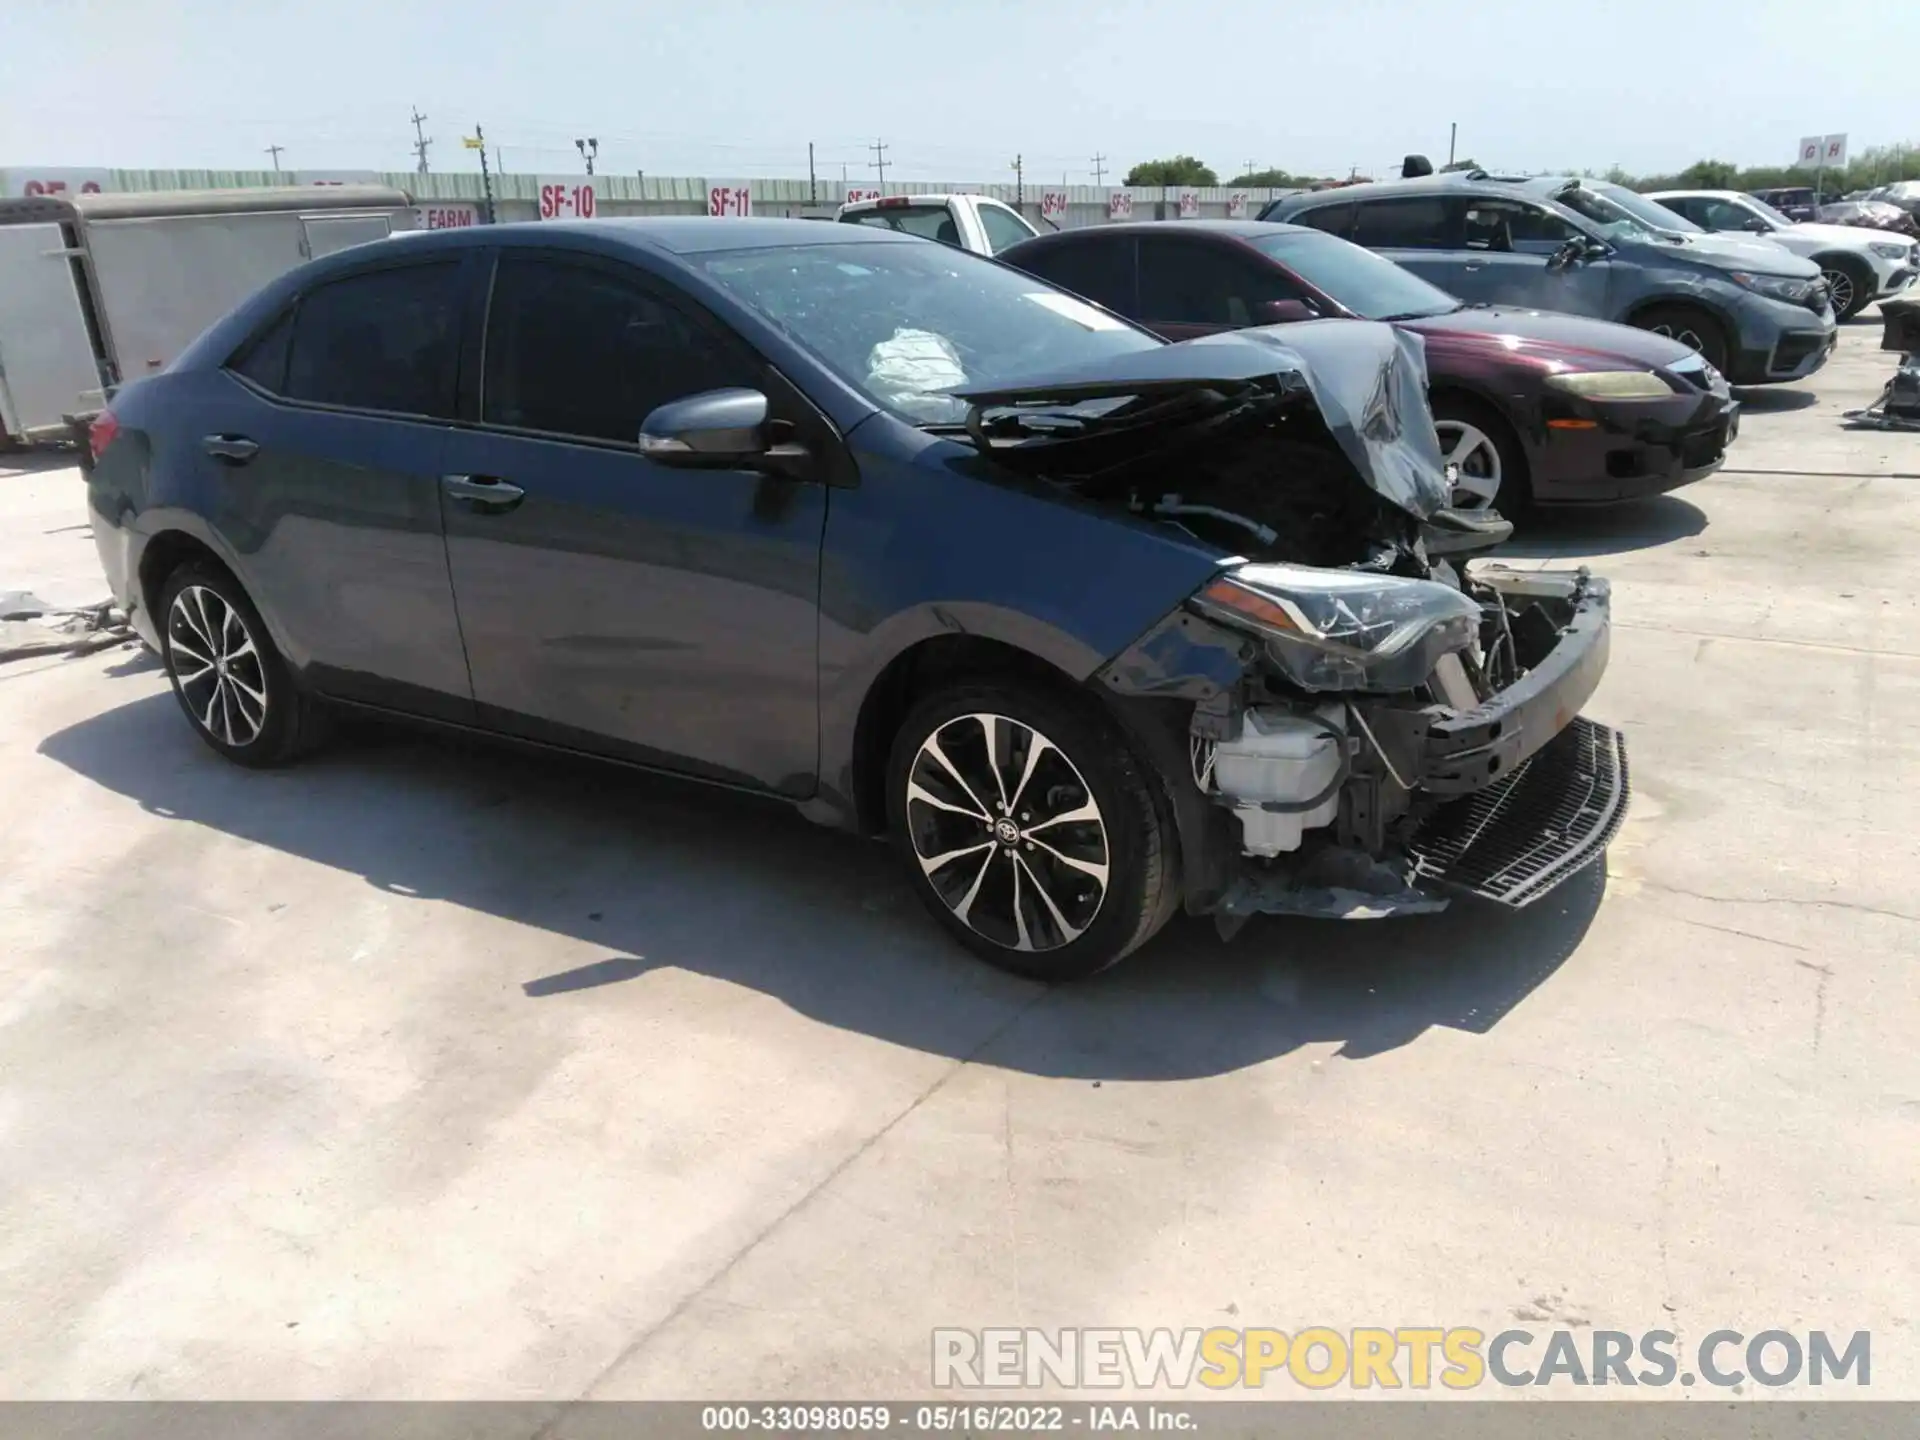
(729, 197)
(855, 195)
(573, 198)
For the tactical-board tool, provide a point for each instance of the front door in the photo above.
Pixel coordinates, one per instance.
(320, 451)
(610, 603)
(1507, 247)
(1190, 287)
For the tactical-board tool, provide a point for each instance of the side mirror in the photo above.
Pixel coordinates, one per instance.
(720, 430)
(1286, 312)
(1567, 256)
(1757, 225)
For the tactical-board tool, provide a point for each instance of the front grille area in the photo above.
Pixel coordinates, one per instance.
(1515, 841)
(1793, 350)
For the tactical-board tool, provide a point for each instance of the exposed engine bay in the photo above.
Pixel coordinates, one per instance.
(1372, 715)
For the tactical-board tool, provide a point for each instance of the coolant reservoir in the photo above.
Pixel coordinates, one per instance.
(1280, 758)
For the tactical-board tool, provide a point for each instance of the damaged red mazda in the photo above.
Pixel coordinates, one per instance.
(1097, 627)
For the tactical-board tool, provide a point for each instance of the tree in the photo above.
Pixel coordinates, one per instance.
(1274, 180)
(1180, 170)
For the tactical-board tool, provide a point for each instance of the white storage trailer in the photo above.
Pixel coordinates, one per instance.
(99, 290)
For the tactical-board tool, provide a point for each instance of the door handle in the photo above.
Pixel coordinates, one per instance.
(234, 449)
(487, 492)
(1473, 265)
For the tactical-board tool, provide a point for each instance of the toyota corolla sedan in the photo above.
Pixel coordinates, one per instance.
(1530, 406)
(1096, 627)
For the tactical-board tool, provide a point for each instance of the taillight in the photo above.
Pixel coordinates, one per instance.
(100, 434)
(892, 201)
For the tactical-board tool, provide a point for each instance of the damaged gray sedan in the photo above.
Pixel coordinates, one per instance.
(1095, 627)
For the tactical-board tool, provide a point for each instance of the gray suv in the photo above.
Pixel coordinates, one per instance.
(1757, 313)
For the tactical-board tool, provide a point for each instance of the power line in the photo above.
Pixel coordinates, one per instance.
(420, 140)
(1099, 163)
(879, 150)
(274, 151)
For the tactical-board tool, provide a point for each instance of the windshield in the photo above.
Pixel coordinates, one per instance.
(1649, 212)
(1369, 285)
(906, 324)
(1754, 202)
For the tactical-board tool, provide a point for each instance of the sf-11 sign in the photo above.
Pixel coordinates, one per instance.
(729, 197)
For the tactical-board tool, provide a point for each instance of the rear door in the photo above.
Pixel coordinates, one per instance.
(319, 457)
(1418, 232)
(609, 603)
(1190, 286)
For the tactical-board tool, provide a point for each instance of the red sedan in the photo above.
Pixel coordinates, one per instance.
(1530, 406)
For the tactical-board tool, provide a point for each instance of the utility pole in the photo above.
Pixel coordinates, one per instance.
(1019, 182)
(1252, 169)
(1099, 163)
(478, 141)
(588, 148)
(274, 151)
(1453, 134)
(420, 140)
(813, 184)
(879, 150)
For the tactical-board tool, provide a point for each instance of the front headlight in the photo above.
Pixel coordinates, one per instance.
(1888, 250)
(1612, 384)
(1341, 630)
(1776, 287)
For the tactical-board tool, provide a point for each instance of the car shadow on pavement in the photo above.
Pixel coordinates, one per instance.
(659, 874)
(36, 462)
(1774, 400)
(1553, 531)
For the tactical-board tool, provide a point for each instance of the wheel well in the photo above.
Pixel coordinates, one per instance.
(913, 674)
(166, 553)
(1647, 307)
(1852, 264)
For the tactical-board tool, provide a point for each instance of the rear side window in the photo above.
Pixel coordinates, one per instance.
(589, 354)
(1003, 228)
(929, 222)
(1334, 219)
(1414, 222)
(263, 360)
(1098, 268)
(383, 340)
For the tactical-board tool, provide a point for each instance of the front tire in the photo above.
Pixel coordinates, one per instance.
(1695, 329)
(231, 681)
(1849, 283)
(1030, 829)
(1491, 468)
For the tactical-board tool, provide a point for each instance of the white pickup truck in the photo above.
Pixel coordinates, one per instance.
(966, 222)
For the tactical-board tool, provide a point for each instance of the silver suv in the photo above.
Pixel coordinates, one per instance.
(1757, 313)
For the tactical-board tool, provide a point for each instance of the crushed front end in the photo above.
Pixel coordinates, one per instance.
(1351, 716)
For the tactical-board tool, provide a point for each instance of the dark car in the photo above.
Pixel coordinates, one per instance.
(1097, 627)
(1796, 202)
(1529, 405)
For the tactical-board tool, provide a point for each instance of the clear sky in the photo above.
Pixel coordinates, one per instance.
(736, 90)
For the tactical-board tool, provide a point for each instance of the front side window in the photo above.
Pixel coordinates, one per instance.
(1189, 282)
(1368, 285)
(383, 340)
(1503, 226)
(1411, 223)
(1718, 214)
(1003, 227)
(906, 325)
(589, 354)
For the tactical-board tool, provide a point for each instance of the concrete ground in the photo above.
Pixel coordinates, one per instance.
(424, 1070)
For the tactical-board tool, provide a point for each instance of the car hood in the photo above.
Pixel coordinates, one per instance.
(1756, 253)
(1848, 237)
(1368, 381)
(1574, 340)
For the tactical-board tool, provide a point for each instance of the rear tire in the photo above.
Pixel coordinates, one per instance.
(1030, 829)
(233, 684)
(1695, 329)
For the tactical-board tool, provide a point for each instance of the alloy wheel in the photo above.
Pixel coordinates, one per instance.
(217, 666)
(1007, 832)
(1685, 334)
(1473, 462)
(1839, 290)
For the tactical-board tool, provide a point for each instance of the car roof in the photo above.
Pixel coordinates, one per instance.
(1243, 229)
(1446, 182)
(674, 234)
(1712, 194)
